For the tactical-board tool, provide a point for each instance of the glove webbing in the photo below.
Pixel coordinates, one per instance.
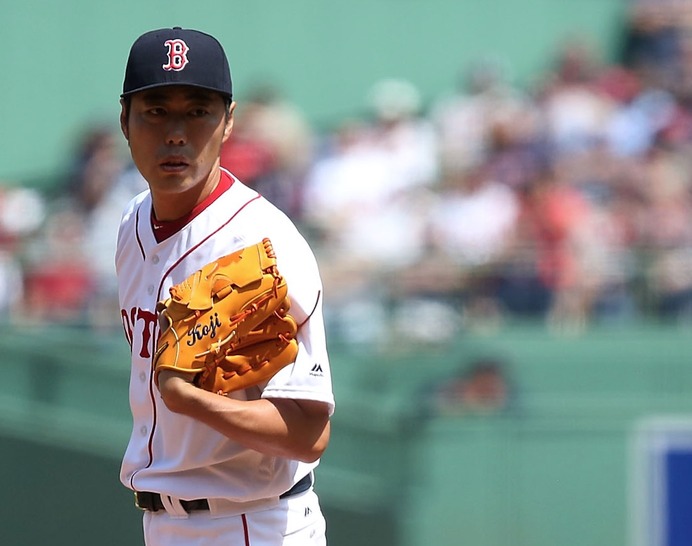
(252, 308)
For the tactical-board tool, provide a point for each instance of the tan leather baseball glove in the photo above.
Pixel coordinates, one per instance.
(228, 324)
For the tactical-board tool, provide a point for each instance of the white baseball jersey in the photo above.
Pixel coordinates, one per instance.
(175, 454)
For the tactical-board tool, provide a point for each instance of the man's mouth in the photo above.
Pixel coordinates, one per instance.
(174, 164)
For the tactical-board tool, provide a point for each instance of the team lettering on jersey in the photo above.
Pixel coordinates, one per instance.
(139, 323)
(177, 55)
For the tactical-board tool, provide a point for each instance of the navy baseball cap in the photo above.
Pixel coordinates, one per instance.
(177, 56)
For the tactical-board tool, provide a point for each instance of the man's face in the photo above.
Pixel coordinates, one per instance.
(175, 135)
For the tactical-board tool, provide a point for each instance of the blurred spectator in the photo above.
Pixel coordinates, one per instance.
(516, 150)
(375, 180)
(70, 268)
(100, 231)
(667, 231)
(366, 201)
(569, 201)
(553, 215)
(472, 224)
(575, 111)
(479, 388)
(400, 131)
(640, 113)
(364, 226)
(22, 212)
(59, 283)
(245, 154)
(271, 148)
(350, 195)
(466, 119)
(474, 218)
(652, 40)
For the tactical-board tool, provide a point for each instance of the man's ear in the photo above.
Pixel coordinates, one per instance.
(229, 122)
(124, 111)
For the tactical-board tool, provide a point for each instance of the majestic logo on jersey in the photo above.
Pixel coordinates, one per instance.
(177, 55)
(317, 370)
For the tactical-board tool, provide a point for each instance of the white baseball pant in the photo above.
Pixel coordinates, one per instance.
(294, 521)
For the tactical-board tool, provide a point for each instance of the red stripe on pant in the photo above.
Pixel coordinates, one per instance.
(246, 532)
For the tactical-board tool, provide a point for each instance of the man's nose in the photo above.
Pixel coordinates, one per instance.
(176, 134)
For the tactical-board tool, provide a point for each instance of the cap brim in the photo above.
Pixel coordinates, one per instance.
(170, 84)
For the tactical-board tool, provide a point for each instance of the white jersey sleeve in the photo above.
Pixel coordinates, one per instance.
(309, 377)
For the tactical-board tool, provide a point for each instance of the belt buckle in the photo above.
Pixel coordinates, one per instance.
(137, 505)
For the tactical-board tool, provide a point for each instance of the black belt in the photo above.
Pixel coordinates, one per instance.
(146, 500)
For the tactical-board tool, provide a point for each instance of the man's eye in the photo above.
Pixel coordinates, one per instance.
(199, 112)
(156, 111)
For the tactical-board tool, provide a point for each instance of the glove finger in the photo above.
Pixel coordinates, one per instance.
(275, 327)
(252, 365)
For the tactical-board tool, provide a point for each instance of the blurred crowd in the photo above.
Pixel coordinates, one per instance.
(567, 200)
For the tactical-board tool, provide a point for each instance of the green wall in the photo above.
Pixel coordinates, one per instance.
(557, 467)
(62, 62)
(63, 497)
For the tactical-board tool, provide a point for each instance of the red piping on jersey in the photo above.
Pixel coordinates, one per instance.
(150, 443)
(151, 393)
(319, 295)
(139, 241)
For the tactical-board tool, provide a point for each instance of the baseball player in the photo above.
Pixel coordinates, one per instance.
(209, 469)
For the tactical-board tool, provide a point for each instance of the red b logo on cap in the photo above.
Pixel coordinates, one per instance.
(177, 55)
